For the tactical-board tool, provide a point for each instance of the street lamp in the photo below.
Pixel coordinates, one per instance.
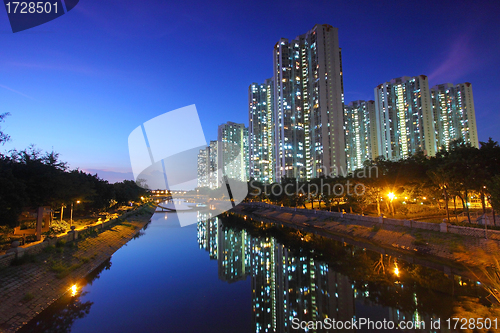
(71, 215)
(396, 270)
(392, 196)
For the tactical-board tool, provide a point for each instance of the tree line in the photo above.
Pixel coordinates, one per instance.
(451, 178)
(31, 178)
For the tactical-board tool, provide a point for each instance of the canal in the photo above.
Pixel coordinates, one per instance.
(232, 275)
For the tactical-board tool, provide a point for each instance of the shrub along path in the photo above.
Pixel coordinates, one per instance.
(37, 281)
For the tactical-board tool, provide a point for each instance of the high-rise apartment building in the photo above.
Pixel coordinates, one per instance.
(454, 114)
(405, 121)
(261, 131)
(308, 105)
(207, 166)
(232, 152)
(202, 168)
(360, 133)
(212, 165)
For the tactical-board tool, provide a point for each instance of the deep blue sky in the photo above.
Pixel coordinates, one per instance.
(81, 83)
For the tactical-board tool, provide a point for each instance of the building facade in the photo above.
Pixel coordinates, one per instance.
(212, 165)
(232, 152)
(360, 133)
(454, 114)
(261, 131)
(207, 166)
(405, 118)
(202, 168)
(308, 105)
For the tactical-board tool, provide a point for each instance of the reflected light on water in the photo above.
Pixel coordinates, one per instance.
(74, 290)
(270, 281)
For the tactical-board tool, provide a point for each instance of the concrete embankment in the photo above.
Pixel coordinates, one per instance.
(40, 279)
(415, 244)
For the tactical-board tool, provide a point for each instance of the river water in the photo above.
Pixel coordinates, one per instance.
(226, 275)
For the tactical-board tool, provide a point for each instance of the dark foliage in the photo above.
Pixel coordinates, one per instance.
(31, 178)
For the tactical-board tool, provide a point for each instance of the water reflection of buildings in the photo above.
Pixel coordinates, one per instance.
(289, 284)
(207, 233)
(234, 254)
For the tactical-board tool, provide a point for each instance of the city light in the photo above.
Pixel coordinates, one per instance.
(73, 290)
(391, 196)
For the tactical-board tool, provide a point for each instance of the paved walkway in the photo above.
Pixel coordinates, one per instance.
(469, 251)
(28, 289)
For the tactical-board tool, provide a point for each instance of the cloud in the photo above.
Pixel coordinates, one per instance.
(54, 67)
(459, 61)
(15, 91)
(111, 176)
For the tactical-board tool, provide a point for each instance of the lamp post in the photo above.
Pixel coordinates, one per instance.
(62, 211)
(392, 197)
(71, 215)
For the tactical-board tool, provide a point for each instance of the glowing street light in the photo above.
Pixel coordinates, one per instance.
(71, 215)
(392, 196)
(73, 290)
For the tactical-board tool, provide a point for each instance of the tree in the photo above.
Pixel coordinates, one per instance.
(31, 178)
(441, 179)
(3, 137)
(489, 156)
(127, 191)
(12, 194)
(462, 166)
(494, 189)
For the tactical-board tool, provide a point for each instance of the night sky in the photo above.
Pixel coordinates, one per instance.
(81, 83)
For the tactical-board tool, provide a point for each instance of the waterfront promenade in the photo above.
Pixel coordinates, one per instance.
(27, 289)
(461, 246)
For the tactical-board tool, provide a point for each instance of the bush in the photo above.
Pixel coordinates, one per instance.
(62, 270)
(89, 232)
(28, 225)
(30, 238)
(49, 249)
(57, 227)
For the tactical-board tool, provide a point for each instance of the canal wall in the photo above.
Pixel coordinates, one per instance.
(457, 246)
(37, 247)
(371, 221)
(28, 289)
